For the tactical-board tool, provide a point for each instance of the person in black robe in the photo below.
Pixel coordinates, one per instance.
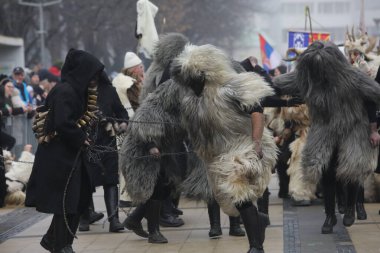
(60, 182)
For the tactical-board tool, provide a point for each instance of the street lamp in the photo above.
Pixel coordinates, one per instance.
(42, 32)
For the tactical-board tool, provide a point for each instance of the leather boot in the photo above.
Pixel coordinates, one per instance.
(340, 197)
(84, 222)
(111, 193)
(263, 203)
(214, 215)
(133, 221)
(361, 214)
(153, 217)
(94, 216)
(255, 224)
(175, 209)
(330, 222)
(167, 218)
(235, 229)
(349, 214)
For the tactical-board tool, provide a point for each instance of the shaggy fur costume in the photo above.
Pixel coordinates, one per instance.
(17, 176)
(219, 124)
(335, 93)
(167, 48)
(298, 188)
(139, 169)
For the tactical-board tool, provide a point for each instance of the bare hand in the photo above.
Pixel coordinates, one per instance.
(155, 152)
(123, 127)
(374, 139)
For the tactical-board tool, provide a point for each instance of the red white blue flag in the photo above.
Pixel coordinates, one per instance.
(270, 57)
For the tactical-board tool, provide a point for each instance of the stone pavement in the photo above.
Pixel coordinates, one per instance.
(292, 229)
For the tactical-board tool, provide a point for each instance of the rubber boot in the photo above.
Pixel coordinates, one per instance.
(175, 210)
(167, 217)
(111, 193)
(349, 214)
(330, 221)
(235, 229)
(133, 221)
(341, 198)
(153, 216)
(214, 215)
(84, 222)
(94, 216)
(263, 203)
(255, 224)
(361, 214)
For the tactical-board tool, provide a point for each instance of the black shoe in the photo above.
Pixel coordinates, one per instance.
(135, 226)
(171, 221)
(361, 214)
(157, 237)
(330, 222)
(213, 210)
(94, 217)
(349, 216)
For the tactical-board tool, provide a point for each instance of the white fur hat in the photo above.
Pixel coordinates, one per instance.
(131, 60)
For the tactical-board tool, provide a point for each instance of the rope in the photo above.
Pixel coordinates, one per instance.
(65, 193)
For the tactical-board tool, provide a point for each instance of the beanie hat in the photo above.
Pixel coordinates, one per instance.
(131, 60)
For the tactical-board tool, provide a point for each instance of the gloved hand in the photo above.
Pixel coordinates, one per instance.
(294, 101)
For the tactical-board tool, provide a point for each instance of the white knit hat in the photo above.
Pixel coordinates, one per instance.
(131, 60)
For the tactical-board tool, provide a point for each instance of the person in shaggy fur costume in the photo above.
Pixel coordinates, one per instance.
(217, 105)
(17, 175)
(150, 181)
(341, 142)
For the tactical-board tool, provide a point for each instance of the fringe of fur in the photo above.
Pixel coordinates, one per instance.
(219, 124)
(298, 188)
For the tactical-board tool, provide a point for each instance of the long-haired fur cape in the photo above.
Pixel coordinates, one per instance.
(219, 124)
(167, 48)
(156, 121)
(335, 93)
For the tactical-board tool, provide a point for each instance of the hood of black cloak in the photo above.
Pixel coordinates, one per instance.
(79, 69)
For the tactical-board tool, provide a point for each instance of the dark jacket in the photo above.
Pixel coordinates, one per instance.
(54, 160)
(106, 170)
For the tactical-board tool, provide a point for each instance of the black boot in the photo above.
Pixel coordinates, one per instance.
(111, 193)
(349, 214)
(255, 224)
(153, 217)
(94, 216)
(235, 229)
(361, 214)
(175, 209)
(167, 218)
(214, 215)
(340, 197)
(133, 221)
(328, 225)
(263, 203)
(84, 222)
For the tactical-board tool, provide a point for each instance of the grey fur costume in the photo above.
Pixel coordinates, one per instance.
(167, 48)
(335, 93)
(219, 124)
(139, 169)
